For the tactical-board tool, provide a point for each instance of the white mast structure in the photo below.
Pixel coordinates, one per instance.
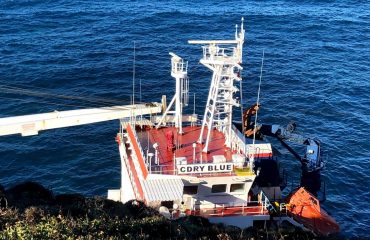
(179, 70)
(223, 57)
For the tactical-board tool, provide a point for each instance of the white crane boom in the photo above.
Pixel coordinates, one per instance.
(28, 125)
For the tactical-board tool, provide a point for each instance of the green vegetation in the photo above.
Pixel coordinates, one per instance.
(33, 212)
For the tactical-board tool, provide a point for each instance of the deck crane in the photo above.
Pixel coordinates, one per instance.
(311, 161)
(29, 125)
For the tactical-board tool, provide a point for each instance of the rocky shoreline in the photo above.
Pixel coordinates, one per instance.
(30, 211)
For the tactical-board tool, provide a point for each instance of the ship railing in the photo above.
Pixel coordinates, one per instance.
(260, 207)
(179, 67)
(187, 119)
(266, 202)
(125, 159)
(237, 140)
(283, 208)
(139, 145)
(254, 152)
(164, 169)
(137, 152)
(213, 52)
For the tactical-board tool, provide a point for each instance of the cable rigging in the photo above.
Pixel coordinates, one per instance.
(89, 101)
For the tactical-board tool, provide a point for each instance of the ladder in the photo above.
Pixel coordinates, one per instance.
(223, 57)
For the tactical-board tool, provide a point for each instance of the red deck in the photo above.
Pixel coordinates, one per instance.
(183, 145)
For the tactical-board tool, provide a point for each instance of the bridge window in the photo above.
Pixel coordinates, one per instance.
(237, 188)
(219, 188)
(191, 190)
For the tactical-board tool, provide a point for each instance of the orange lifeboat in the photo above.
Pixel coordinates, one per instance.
(305, 209)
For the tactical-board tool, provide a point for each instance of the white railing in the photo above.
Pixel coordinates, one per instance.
(127, 164)
(158, 169)
(260, 207)
(252, 151)
(214, 52)
(237, 140)
(170, 120)
(138, 143)
(179, 67)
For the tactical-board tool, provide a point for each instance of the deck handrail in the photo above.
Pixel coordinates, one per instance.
(138, 191)
(137, 150)
(240, 139)
(224, 209)
(212, 52)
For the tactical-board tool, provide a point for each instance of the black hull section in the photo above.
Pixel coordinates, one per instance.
(311, 181)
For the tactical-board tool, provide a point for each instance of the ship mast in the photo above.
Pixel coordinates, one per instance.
(179, 70)
(223, 57)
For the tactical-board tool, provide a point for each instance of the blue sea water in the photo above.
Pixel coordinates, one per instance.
(316, 72)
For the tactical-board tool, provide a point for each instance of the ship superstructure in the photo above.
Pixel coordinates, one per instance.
(185, 167)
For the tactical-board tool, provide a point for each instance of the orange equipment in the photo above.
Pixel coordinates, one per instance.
(305, 209)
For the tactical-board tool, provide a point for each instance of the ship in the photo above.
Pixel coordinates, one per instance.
(209, 165)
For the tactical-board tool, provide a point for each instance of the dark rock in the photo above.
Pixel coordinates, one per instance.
(138, 209)
(29, 194)
(72, 204)
(68, 199)
(111, 208)
(3, 200)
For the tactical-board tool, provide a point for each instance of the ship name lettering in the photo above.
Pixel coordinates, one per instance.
(206, 168)
(216, 168)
